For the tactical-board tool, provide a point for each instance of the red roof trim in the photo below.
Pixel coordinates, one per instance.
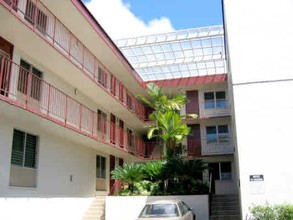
(98, 28)
(193, 80)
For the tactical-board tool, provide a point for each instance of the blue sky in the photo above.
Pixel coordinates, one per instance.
(126, 18)
(183, 14)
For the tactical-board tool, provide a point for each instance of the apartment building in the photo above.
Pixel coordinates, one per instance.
(193, 62)
(69, 113)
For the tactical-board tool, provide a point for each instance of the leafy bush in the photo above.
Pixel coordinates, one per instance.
(272, 212)
(173, 177)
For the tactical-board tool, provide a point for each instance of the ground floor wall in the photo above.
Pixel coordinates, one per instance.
(44, 208)
(63, 168)
(263, 117)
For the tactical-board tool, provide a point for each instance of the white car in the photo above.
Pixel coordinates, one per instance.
(167, 210)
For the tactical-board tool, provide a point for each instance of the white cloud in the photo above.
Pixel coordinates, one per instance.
(119, 22)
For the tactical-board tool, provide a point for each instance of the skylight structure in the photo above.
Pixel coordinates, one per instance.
(184, 53)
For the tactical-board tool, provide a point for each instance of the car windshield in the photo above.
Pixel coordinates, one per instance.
(159, 210)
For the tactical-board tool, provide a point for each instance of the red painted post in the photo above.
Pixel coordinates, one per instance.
(95, 68)
(35, 15)
(28, 87)
(82, 65)
(93, 121)
(1, 72)
(54, 30)
(80, 116)
(70, 39)
(49, 100)
(66, 109)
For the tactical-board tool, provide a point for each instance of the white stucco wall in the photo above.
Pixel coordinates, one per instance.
(44, 208)
(260, 44)
(129, 207)
(58, 159)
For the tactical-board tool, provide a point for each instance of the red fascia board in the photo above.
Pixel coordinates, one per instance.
(100, 31)
(190, 81)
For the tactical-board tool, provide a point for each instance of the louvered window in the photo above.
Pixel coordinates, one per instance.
(24, 149)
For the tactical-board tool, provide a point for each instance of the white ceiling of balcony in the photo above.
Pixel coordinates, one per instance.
(184, 53)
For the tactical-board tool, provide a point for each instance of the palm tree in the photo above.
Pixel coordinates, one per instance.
(171, 130)
(168, 128)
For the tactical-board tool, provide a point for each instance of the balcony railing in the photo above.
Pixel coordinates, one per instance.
(34, 14)
(24, 89)
(220, 146)
(214, 109)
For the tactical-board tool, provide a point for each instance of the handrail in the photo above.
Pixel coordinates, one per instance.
(24, 89)
(36, 15)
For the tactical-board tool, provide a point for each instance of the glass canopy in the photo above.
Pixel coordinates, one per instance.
(183, 53)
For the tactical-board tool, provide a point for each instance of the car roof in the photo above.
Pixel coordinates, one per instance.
(169, 201)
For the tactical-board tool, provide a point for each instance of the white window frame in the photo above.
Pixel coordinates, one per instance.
(99, 170)
(219, 137)
(24, 150)
(215, 101)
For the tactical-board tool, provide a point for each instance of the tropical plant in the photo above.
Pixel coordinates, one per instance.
(153, 170)
(129, 173)
(184, 169)
(169, 128)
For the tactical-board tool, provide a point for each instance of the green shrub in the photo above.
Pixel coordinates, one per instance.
(272, 212)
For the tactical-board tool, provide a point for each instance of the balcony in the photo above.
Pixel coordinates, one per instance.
(43, 22)
(209, 110)
(215, 108)
(219, 146)
(26, 90)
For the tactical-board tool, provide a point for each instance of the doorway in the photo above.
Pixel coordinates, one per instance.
(6, 51)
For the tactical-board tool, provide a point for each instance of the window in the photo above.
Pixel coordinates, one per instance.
(130, 138)
(24, 149)
(128, 101)
(215, 100)
(102, 122)
(113, 85)
(221, 170)
(101, 167)
(102, 77)
(41, 17)
(33, 80)
(226, 171)
(219, 133)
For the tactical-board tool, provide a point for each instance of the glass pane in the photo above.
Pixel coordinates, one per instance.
(17, 148)
(98, 167)
(211, 138)
(159, 210)
(221, 104)
(226, 171)
(226, 167)
(208, 96)
(30, 151)
(220, 95)
(211, 130)
(223, 129)
(223, 133)
(103, 167)
(209, 104)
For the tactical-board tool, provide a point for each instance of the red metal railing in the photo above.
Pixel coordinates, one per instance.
(24, 89)
(46, 24)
